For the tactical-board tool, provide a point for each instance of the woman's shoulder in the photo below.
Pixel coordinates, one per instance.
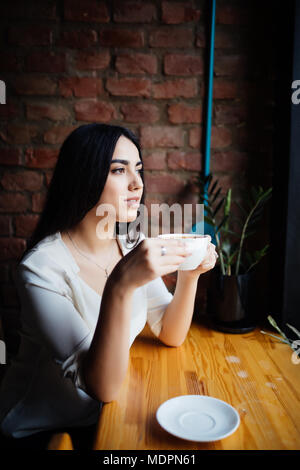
(47, 258)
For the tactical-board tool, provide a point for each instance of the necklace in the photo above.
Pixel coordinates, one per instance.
(87, 257)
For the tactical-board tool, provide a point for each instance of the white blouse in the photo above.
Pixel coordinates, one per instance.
(43, 388)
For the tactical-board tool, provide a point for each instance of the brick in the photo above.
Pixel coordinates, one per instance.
(92, 60)
(30, 36)
(225, 114)
(220, 137)
(229, 161)
(182, 113)
(233, 65)
(134, 12)
(18, 9)
(94, 111)
(13, 202)
(38, 202)
(22, 181)
(11, 248)
(162, 136)
(136, 63)
(77, 39)
(33, 85)
(81, 87)
(48, 177)
(129, 87)
(223, 40)
(155, 160)
(229, 180)
(169, 37)
(140, 112)
(9, 156)
(5, 229)
(91, 11)
(179, 160)
(26, 224)
(180, 64)
(54, 112)
(201, 39)
(9, 111)
(229, 14)
(41, 157)
(121, 38)
(179, 88)
(225, 89)
(57, 134)
(195, 136)
(49, 62)
(163, 183)
(151, 200)
(19, 134)
(176, 13)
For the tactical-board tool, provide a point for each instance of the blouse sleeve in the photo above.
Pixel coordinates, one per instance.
(158, 298)
(52, 320)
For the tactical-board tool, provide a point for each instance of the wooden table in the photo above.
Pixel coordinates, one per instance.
(252, 372)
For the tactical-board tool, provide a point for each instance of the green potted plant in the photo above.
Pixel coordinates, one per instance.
(230, 291)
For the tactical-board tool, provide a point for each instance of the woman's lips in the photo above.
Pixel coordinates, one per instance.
(132, 202)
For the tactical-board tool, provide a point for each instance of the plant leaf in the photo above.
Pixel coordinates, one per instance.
(208, 220)
(274, 324)
(211, 191)
(222, 223)
(274, 336)
(216, 195)
(241, 208)
(294, 330)
(218, 207)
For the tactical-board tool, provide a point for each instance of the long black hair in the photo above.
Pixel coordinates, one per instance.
(79, 178)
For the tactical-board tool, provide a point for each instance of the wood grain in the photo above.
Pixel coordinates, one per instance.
(60, 441)
(252, 372)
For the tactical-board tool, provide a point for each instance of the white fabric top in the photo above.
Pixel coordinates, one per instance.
(43, 388)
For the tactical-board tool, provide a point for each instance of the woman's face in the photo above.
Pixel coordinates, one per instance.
(124, 181)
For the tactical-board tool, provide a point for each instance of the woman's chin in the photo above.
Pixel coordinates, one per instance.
(130, 216)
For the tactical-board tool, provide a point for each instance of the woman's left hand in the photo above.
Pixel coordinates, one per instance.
(207, 263)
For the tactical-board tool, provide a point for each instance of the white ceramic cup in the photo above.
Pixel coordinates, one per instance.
(198, 245)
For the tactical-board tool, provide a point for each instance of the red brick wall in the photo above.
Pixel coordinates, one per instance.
(137, 63)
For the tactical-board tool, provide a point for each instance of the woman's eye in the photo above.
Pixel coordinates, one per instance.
(121, 170)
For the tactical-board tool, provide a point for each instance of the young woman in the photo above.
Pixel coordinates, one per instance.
(85, 295)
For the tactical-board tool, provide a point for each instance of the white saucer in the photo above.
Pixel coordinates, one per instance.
(198, 418)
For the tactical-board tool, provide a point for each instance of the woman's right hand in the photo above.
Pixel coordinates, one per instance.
(145, 262)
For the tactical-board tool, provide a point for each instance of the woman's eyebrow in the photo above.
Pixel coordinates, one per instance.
(125, 162)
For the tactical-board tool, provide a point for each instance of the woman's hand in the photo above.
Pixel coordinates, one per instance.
(145, 262)
(207, 263)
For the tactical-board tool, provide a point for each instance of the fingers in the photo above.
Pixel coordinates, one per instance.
(176, 251)
(212, 249)
(174, 247)
(211, 256)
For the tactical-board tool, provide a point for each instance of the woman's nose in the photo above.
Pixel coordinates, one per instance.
(136, 183)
